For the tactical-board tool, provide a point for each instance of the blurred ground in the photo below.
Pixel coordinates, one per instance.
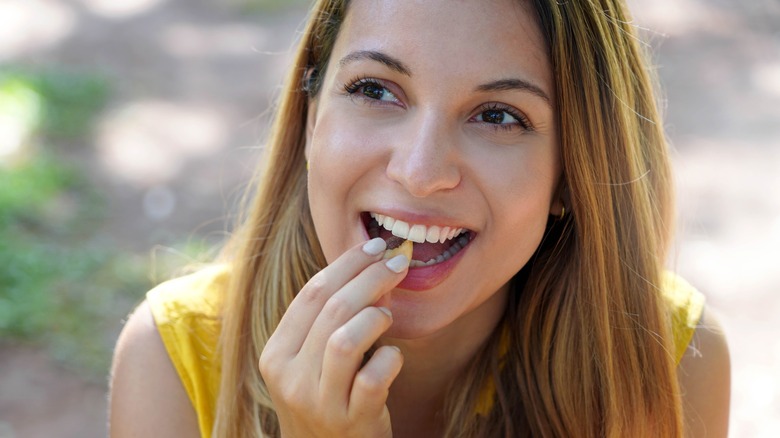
(191, 81)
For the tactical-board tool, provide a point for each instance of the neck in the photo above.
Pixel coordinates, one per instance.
(431, 364)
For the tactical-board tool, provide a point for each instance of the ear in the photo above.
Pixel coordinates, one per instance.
(560, 199)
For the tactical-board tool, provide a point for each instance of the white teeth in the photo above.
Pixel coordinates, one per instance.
(400, 229)
(443, 234)
(432, 235)
(415, 232)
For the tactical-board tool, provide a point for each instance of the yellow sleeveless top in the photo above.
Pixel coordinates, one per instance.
(186, 311)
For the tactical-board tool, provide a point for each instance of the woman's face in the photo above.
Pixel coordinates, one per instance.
(438, 114)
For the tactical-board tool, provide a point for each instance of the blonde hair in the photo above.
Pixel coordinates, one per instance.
(589, 347)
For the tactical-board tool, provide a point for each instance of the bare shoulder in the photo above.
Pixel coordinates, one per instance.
(147, 398)
(705, 380)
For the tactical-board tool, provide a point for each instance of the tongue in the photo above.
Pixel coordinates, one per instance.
(426, 251)
(422, 251)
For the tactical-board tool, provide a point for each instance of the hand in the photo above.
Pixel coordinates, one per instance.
(311, 364)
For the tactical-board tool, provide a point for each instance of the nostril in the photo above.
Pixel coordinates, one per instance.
(422, 180)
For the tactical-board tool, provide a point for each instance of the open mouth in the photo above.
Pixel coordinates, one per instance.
(432, 244)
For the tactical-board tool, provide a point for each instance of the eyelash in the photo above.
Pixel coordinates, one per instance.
(353, 86)
(525, 124)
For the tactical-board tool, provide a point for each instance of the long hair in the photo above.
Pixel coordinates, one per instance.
(585, 347)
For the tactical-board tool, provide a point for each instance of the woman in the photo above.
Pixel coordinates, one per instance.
(518, 145)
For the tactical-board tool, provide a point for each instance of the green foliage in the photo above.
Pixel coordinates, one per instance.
(64, 285)
(59, 104)
(26, 189)
(55, 287)
(18, 99)
(61, 285)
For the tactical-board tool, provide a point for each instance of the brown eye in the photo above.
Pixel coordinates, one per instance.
(493, 116)
(373, 91)
(370, 89)
(497, 115)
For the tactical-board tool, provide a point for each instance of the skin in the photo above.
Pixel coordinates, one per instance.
(147, 398)
(421, 156)
(705, 380)
(421, 152)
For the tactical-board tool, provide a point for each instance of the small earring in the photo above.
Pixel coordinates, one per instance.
(563, 213)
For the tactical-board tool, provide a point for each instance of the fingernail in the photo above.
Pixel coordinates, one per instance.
(374, 246)
(386, 311)
(398, 263)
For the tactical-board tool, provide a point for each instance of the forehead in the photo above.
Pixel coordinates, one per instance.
(458, 36)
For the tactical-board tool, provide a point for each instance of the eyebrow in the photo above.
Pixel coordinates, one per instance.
(400, 67)
(373, 55)
(514, 84)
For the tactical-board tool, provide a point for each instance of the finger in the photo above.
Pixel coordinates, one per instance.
(371, 387)
(366, 288)
(299, 317)
(345, 350)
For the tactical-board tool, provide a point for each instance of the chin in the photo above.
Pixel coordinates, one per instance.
(410, 329)
(413, 319)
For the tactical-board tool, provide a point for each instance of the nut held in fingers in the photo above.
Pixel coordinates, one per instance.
(405, 248)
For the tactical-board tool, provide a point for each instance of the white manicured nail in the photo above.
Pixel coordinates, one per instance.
(398, 263)
(386, 311)
(374, 246)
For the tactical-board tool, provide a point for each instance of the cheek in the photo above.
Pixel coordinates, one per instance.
(521, 181)
(515, 241)
(521, 189)
(340, 157)
(339, 144)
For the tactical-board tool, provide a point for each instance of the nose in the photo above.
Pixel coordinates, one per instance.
(424, 159)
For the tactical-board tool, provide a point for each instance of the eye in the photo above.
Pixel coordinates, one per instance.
(377, 92)
(502, 117)
(370, 89)
(496, 117)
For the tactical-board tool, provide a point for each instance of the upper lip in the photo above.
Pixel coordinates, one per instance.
(417, 229)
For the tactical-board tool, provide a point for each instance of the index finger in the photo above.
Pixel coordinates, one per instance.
(299, 317)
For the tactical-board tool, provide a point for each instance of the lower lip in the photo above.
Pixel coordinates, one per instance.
(428, 277)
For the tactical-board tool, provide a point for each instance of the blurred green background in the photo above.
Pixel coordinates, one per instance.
(129, 129)
(51, 266)
(65, 286)
(111, 179)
